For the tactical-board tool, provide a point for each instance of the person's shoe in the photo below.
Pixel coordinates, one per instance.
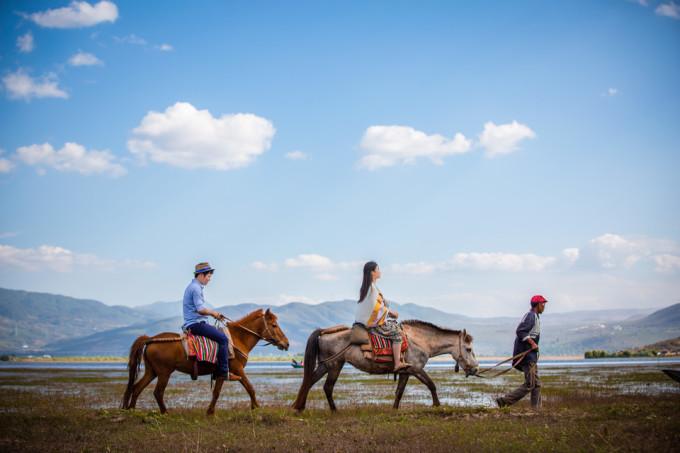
(501, 402)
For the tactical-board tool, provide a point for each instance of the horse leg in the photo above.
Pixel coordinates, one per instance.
(403, 379)
(160, 389)
(216, 395)
(425, 379)
(245, 382)
(301, 400)
(333, 374)
(149, 375)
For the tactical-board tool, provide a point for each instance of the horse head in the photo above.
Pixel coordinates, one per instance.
(466, 356)
(272, 331)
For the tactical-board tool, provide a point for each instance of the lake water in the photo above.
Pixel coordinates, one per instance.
(100, 385)
(276, 366)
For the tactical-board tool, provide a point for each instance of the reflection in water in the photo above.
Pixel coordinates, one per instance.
(100, 387)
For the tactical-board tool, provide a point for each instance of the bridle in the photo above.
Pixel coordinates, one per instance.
(461, 338)
(270, 341)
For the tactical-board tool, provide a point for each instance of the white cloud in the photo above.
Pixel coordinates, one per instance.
(130, 39)
(6, 165)
(20, 85)
(72, 157)
(59, 259)
(185, 137)
(296, 155)
(8, 234)
(481, 261)
(76, 15)
(386, 146)
(613, 251)
(501, 261)
(667, 263)
(84, 59)
(670, 9)
(503, 138)
(612, 92)
(262, 266)
(312, 261)
(571, 254)
(135, 40)
(321, 267)
(25, 43)
(418, 268)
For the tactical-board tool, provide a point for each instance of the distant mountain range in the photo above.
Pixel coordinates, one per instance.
(46, 323)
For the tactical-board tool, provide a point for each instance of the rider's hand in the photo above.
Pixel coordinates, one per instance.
(219, 316)
(533, 344)
(394, 314)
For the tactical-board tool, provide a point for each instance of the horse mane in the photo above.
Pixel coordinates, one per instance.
(418, 322)
(251, 315)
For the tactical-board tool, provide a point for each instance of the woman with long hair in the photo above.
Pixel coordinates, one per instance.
(373, 311)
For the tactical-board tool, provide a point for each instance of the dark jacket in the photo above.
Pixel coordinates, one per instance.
(530, 326)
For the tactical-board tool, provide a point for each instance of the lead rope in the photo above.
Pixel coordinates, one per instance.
(519, 358)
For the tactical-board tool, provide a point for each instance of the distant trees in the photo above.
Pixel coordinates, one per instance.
(600, 354)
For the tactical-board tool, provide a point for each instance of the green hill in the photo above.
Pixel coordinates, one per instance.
(29, 320)
(63, 325)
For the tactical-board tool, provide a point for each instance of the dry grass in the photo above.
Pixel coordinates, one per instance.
(600, 409)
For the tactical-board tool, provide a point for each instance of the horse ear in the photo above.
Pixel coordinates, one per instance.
(268, 312)
(464, 333)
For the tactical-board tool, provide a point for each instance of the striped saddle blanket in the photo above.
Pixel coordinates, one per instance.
(382, 348)
(204, 349)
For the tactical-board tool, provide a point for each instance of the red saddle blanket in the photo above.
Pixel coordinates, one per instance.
(204, 349)
(382, 348)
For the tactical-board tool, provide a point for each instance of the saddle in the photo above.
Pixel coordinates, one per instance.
(202, 349)
(374, 347)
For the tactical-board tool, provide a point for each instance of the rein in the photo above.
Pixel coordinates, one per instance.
(252, 332)
(519, 358)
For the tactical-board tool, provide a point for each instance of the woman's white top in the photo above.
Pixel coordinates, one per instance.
(373, 309)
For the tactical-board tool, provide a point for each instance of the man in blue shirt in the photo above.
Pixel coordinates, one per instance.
(196, 314)
(527, 336)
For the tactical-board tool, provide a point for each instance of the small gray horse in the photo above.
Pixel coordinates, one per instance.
(425, 340)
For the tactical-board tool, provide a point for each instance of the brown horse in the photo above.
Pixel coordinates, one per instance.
(164, 353)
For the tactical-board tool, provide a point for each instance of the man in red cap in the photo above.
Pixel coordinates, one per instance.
(527, 338)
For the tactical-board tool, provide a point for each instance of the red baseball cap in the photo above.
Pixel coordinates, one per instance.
(538, 299)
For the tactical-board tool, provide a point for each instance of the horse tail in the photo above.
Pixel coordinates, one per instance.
(311, 354)
(311, 357)
(134, 365)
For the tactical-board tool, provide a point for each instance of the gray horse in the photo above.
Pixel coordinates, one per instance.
(425, 340)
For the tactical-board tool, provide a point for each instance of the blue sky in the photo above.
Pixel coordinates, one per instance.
(481, 152)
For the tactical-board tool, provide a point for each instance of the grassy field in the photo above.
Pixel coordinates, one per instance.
(585, 409)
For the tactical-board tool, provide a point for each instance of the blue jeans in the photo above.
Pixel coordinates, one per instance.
(206, 330)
